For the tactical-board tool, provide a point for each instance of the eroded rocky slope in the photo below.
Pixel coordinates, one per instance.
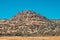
(29, 23)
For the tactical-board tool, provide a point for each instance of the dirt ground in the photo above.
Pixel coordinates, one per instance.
(29, 38)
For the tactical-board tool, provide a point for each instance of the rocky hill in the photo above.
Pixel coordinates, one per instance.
(29, 23)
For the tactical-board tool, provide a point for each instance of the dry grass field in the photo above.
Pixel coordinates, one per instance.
(30, 38)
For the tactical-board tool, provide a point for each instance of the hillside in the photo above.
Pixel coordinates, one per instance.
(29, 23)
(56, 21)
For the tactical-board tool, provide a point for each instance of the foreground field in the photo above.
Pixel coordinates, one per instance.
(30, 38)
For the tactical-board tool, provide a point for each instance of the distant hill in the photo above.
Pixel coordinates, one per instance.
(56, 21)
(29, 23)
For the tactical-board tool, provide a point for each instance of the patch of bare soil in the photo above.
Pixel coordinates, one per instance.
(29, 38)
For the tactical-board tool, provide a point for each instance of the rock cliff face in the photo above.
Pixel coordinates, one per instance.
(29, 23)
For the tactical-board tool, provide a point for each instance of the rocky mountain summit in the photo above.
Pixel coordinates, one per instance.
(29, 23)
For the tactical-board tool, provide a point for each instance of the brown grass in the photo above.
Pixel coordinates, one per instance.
(29, 38)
